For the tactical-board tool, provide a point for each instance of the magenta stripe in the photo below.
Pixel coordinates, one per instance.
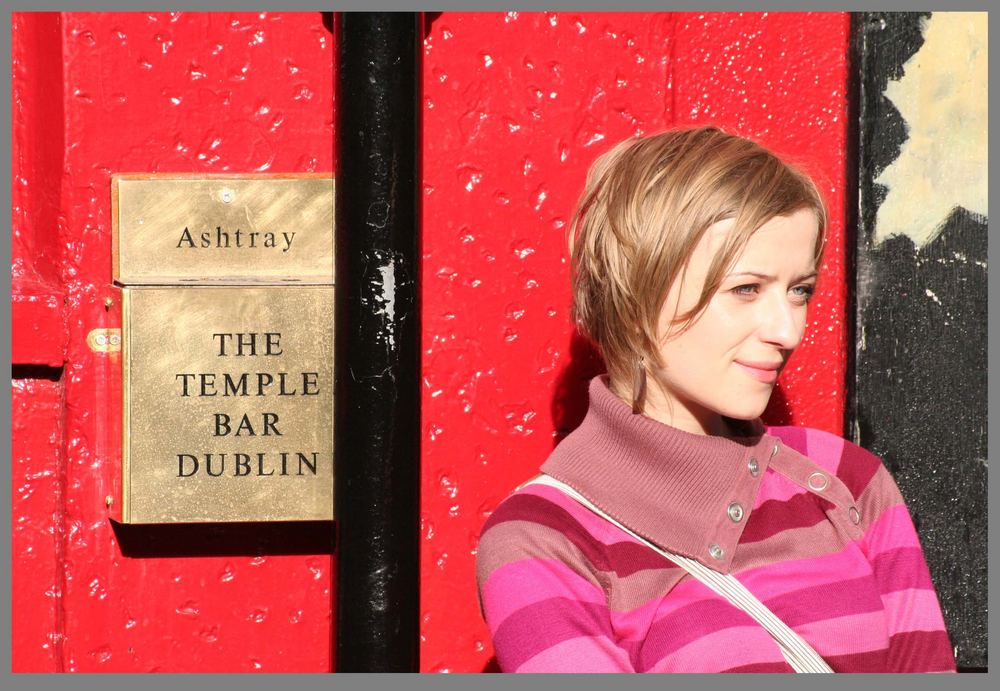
(761, 668)
(901, 569)
(857, 467)
(773, 517)
(828, 601)
(867, 661)
(921, 651)
(791, 436)
(687, 624)
(523, 634)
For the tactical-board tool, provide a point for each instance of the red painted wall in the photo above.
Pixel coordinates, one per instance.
(516, 107)
(131, 92)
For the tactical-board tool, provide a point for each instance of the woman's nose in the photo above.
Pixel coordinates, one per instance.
(782, 321)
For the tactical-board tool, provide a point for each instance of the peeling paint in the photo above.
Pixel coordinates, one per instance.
(942, 163)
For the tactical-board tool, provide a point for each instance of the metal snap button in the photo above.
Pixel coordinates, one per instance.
(774, 451)
(735, 512)
(818, 482)
(753, 467)
(855, 515)
(716, 551)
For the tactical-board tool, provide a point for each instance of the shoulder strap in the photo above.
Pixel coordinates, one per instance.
(799, 654)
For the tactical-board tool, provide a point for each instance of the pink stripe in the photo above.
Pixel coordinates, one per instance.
(686, 593)
(913, 610)
(824, 448)
(521, 583)
(892, 530)
(854, 633)
(774, 580)
(725, 649)
(582, 654)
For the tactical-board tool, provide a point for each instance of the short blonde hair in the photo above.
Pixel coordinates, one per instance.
(647, 203)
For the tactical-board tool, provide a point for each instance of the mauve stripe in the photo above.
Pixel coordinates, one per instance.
(901, 569)
(857, 467)
(520, 584)
(544, 624)
(591, 654)
(533, 509)
(600, 529)
(622, 558)
(913, 610)
(829, 601)
(686, 624)
(773, 517)
(740, 645)
(921, 651)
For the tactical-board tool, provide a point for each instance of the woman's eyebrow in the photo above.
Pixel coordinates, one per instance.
(767, 277)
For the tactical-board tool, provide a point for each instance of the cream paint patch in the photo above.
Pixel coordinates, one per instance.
(942, 98)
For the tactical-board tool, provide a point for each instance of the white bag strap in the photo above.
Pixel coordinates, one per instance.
(799, 654)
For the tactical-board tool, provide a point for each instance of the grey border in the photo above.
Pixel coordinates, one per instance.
(410, 681)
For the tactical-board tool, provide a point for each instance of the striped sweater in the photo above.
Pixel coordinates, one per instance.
(811, 524)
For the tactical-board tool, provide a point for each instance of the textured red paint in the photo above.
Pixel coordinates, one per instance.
(37, 298)
(193, 92)
(516, 108)
(36, 579)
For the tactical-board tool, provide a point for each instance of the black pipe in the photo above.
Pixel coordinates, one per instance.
(377, 342)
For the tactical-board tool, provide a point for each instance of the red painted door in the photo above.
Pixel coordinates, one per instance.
(102, 93)
(516, 107)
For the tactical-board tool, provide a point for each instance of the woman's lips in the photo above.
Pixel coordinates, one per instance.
(768, 376)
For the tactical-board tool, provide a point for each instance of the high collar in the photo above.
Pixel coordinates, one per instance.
(687, 493)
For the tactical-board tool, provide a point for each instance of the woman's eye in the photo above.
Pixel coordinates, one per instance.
(805, 292)
(747, 290)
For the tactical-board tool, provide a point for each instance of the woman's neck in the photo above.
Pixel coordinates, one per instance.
(658, 405)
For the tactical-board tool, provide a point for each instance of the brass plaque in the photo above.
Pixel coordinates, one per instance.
(228, 404)
(225, 229)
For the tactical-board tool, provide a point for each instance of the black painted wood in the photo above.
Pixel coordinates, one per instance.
(919, 395)
(377, 343)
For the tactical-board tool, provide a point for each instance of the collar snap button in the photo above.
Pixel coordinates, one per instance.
(855, 515)
(753, 467)
(818, 482)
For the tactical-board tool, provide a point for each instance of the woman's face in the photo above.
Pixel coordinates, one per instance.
(727, 362)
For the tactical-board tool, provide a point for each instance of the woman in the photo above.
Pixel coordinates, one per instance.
(694, 256)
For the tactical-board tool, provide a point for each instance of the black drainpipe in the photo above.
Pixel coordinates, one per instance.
(377, 341)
